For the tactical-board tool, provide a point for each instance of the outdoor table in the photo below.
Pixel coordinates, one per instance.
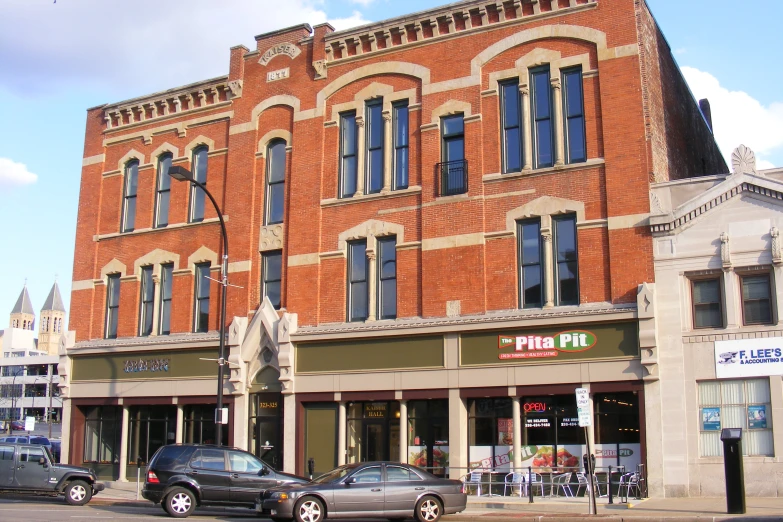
(490, 482)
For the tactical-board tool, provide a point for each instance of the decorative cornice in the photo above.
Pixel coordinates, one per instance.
(409, 30)
(142, 343)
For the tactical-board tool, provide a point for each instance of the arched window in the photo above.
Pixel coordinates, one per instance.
(129, 196)
(275, 181)
(163, 191)
(197, 196)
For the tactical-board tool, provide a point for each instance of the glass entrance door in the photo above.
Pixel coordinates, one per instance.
(375, 435)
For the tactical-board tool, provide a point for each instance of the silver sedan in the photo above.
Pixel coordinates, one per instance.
(370, 489)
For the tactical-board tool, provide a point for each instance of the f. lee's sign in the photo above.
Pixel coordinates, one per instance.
(541, 346)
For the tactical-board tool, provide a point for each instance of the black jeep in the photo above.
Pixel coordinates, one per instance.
(29, 468)
(182, 476)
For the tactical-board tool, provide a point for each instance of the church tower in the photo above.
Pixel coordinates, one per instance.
(51, 326)
(23, 316)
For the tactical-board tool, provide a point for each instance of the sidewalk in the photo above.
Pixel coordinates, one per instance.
(653, 509)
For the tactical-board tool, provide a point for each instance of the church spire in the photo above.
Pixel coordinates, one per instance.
(22, 315)
(55, 300)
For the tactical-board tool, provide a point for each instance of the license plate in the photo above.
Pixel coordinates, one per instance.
(273, 512)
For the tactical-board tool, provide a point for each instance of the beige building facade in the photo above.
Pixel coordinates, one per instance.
(719, 299)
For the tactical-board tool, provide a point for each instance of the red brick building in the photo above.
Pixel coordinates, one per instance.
(448, 210)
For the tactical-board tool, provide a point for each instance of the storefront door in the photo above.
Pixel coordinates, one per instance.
(266, 410)
(373, 431)
(375, 447)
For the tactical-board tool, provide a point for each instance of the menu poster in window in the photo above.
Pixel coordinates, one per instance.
(624, 454)
(710, 419)
(757, 417)
(505, 431)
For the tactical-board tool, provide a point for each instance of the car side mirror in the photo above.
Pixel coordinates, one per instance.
(351, 480)
(42, 461)
(264, 471)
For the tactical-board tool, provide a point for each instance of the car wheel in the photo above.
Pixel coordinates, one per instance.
(180, 503)
(78, 493)
(309, 509)
(429, 509)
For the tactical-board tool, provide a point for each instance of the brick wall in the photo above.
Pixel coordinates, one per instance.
(638, 119)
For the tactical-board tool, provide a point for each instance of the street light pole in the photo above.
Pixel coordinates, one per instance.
(180, 173)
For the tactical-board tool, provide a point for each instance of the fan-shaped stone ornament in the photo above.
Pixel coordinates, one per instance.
(743, 160)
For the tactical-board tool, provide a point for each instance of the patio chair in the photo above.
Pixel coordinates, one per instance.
(629, 482)
(559, 482)
(537, 481)
(583, 483)
(515, 480)
(473, 480)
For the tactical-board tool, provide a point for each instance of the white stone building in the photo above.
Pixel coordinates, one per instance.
(718, 305)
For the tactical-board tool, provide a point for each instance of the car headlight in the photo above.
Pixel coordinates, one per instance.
(279, 495)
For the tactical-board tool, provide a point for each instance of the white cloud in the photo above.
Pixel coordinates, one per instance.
(738, 118)
(365, 3)
(681, 50)
(132, 48)
(15, 174)
(354, 20)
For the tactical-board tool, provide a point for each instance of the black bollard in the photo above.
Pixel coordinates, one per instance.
(530, 484)
(733, 469)
(609, 485)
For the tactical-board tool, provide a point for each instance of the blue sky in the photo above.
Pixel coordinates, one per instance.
(58, 59)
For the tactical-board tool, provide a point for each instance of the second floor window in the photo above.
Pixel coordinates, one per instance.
(511, 126)
(197, 195)
(756, 304)
(273, 275)
(374, 140)
(387, 278)
(531, 280)
(566, 267)
(541, 109)
(166, 291)
(112, 305)
(453, 171)
(130, 187)
(201, 315)
(357, 281)
(348, 158)
(707, 307)
(574, 116)
(275, 182)
(400, 159)
(147, 301)
(163, 191)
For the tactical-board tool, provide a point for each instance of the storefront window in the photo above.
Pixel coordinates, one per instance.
(428, 435)
(617, 429)
(735, 404)
(373, 431)
(150, 428)
(490, 427)
(551, 436)
(199, 424)
(266, 410)
(102, 434)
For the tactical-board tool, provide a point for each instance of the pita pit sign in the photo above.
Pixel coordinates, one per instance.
(545, 346)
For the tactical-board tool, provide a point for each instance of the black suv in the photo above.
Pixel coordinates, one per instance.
(28, 468)
(182, 476)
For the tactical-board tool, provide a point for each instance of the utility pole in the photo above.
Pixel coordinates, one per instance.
(50, 368)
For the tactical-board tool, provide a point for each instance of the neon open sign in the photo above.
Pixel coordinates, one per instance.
(536, 407)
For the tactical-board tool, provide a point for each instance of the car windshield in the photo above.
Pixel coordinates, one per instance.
(334, 475)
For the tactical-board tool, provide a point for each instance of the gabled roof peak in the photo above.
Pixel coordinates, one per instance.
(54, 301)
(23, 304)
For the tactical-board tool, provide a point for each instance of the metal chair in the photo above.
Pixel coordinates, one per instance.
(583, 483)
(515, 480)
(473, 479)
(629, 482)
(559, 482)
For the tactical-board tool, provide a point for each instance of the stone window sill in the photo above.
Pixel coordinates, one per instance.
(359, 198)
(489, 178)
(175, 226)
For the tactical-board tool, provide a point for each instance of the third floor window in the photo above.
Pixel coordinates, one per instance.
(541, 112)
(400, 159)
(163, 191)
(348, 159)
(374, 144)
(275, 182)
(129, 196)
(197, 195)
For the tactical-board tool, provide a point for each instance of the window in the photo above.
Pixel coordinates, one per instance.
(273, 274)
(163, 191)
(510, 118)
(357, 281)
(275, 181)
(6, 453)
(541, 108)
(490, 427)
(213, 459)
(102, 434)
(198, 424)
(166, 283)
(348, 159)
(112, 305)
(129, 196)
(201, 323)
(453, 170)
(574, 114)
(735, 404)
(30, 454)
(531, 292)
(756, 304)
(387, 278)
(244, 463)
(400, 122)
(566, 277)
(374, 140)
(147, 301)
(197, 195)
(707, 307)
(398, 474)
(149, 428)
(368, 475)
